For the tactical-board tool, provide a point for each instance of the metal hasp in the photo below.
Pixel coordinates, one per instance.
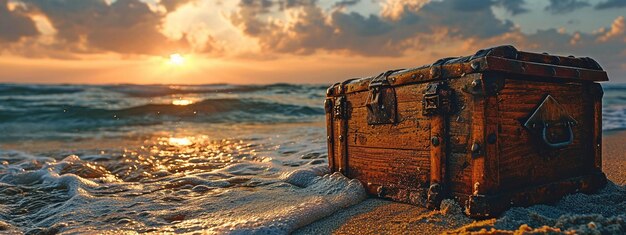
(339, 110)
(552, 124)
(381, 103)
(436, 99)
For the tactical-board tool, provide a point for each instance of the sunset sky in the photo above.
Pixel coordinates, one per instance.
(299, 41)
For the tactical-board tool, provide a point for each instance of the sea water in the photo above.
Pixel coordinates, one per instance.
(223, 159)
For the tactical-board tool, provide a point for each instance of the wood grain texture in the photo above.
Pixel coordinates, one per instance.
(523, 160)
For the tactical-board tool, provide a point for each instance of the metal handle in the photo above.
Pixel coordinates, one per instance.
(544, 135)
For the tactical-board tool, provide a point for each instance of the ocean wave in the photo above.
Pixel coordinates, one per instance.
(221, 110)
(20, 90)
(164, 90)
(153, 90)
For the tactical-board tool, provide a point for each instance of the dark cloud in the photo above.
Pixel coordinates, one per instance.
(172, 5)
(15, 24)
(296, 3)
(474, 5)
(259, 4)
(611, 4)
(480, 22)
(247, 17)
(351, 32)
(345, 3)
(565, 6)
(516, 7)
(125, 26)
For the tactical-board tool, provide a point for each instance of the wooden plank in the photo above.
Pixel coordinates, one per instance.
(400, 168)
(328, 106)
(459, 164)
(490, 144)
(478, 159)
(411, 132)
(437, 149)
(542, 71)
(404, 94)
(597, 127)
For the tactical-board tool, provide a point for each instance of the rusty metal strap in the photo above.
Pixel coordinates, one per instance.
(381, 79)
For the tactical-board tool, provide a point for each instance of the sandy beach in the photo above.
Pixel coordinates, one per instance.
(603, 212)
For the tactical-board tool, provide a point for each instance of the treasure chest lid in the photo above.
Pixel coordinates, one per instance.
(505, 59)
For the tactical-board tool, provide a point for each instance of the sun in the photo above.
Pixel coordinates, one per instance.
(177, 59)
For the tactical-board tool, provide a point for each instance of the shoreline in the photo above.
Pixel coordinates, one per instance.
(386, 217)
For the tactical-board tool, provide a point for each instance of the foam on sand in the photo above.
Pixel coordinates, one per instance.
(321, 196)
(78, 196)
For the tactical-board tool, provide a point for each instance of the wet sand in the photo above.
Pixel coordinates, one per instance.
(614, 157)
(603, 212)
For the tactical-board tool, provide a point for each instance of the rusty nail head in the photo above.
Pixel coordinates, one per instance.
(475, 148)
(476, 84)
(475, 65)
(434, 71)
(435, 140)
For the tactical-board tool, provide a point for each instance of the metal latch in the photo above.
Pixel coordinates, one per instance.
(436, 99)
(381, 102)
(339, 109)
(549, 121)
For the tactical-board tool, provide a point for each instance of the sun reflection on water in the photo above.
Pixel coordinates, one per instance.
(167, 154)
(184, 141)
(182, 102)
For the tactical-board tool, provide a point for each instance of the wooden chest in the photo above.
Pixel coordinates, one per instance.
(496, 129)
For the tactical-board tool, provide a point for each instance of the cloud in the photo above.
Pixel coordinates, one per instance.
(345, 3)
(172, 5)
(395, 9)
(605, 45)
(515, 7)
(15, 24)
(295, 3)
(565, 6)
(310, 28)
(616, 30)
(95, 26)
(611, 4)
(275, 29)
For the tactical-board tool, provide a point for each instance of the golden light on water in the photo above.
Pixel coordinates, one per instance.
(181, 102)
(183, 141)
